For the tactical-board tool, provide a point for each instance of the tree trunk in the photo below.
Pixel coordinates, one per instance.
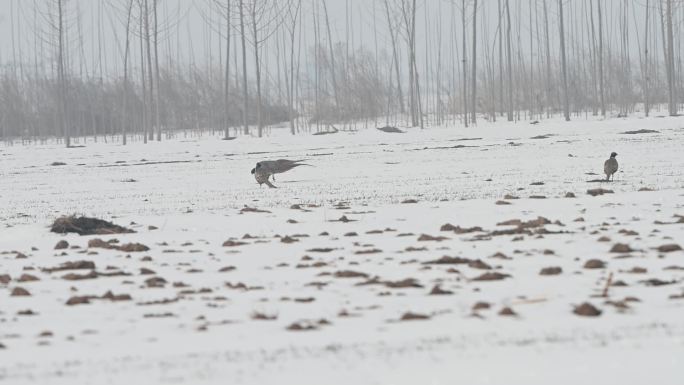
(257, 69)
(150, 77)
(671, 103)
(226, 85)
(333, 74)
(157, 112)
(245, 100)
(510, 65)
(124, 118)
(473, 102)
(61, 72)
(566, 101)
(395, 56)
(465, 65)
(645, 75)
(600, 59)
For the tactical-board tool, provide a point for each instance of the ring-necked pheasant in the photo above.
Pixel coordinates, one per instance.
(610, 166)
(268, 168)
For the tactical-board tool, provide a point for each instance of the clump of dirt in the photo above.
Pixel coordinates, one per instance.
(599, 191)
(78, 277)
(343, 219)
(502, 203)
(430, 238)
(20, 292)
(5, 279)
(248, 209)
(368, 251)
(86, 226)
(437, 290)
(554, 270)
(587, 310)
(27, 278)
(410, 316)
(409, 201)
(155, 282)
(447, 260)
(669, 248)
(133, 248)
(621, 248)
(78, 300)
(321, 250)
(459, 229)
(301, 326)
(570, 195)
(288, 240)
(305, 299)
(75, 265)
(97, 243)
(349, 274)
(257, 316)
(657, 282)
(231, 243)
(594, 264)
(116, 297)
(507, 312)
(479, 264)
(111, 245)
(641, 131)
(391, 130)
(481, 306)
(404, 284)
(500, 255)
(491, 276)
(61, 245)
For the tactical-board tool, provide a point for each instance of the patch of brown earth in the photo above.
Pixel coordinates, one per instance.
(587, 310)
(86, 226)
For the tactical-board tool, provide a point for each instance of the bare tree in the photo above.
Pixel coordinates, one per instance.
(566, 101)
(264, 18)
(474, 75)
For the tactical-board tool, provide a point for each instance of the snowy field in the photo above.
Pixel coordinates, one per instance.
(347, 274)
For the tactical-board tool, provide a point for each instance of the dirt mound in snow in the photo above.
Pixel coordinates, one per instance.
(86, 226)
(391, 130)
(642, 131)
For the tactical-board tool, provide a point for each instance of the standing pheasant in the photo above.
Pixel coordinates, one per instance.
(610, 166)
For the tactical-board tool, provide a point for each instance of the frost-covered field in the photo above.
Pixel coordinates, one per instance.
(332, 279)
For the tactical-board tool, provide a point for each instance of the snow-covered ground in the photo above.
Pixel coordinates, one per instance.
(225, 314)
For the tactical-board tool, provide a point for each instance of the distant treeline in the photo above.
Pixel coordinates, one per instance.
(283, 62)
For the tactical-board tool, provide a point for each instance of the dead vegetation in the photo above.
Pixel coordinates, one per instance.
(86, 226)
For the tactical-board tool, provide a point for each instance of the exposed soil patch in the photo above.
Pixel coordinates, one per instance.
(587, 310)
(669, 248)
(410, 316)
(599, 191)
(641, 131)
(491, 276)
(86, 226)
(554, 270)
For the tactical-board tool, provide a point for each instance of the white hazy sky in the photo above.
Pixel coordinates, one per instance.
(193, 30)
